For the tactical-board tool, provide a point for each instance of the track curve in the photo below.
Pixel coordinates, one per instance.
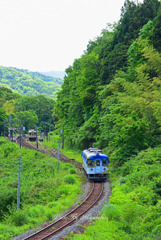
(44, 149)
(74, 214)
(52, 229)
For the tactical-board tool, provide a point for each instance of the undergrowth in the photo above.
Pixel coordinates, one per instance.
(71, 153)
(45, 190)
(134, 209)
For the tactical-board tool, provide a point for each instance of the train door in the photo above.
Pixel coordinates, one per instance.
(98, 166)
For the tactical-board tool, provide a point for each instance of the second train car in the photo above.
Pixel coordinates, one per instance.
(32, 135)
(95, 164)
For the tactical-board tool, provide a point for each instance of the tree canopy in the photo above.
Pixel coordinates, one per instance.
(110, 97)
(29, 83)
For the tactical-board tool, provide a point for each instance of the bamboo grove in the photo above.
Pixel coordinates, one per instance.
(111, 95)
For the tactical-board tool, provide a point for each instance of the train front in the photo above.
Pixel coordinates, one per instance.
(95, 164)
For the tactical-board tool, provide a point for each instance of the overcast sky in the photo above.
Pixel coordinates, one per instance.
(47, 35)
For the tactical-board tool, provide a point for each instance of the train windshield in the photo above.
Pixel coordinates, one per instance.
(97, 163)
(104, 162)
(90, 162)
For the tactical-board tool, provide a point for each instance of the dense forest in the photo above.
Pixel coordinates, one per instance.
(111, 96)
(111, 99)
(27, 111)
(29, 83)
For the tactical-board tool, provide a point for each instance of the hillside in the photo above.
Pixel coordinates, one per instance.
(44, 191)
(107, 98)
(29, 83)
(111, 99)
(55, 74)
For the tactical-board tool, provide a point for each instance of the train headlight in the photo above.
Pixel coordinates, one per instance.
(91, 169)
(104, 169)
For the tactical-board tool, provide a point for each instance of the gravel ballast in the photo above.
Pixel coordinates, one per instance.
(89, 216)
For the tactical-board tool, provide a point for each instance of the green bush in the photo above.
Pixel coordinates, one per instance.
(69, 179)
(18, 217)
(72, 171)
(63, 190)
(111, 211)
(43, 194)
(134, 209)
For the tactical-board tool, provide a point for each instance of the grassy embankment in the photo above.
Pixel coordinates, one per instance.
(45, 190)
(134, 210)
(53, 143)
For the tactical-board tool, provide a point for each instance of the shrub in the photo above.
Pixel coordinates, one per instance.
(69, 179)
(66, 166)
(18, 218)
(72, 171)
(63, 190)
(111, 211)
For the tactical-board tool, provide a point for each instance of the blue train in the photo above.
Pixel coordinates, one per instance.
(95, 164)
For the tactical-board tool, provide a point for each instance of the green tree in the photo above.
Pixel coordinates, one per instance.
(2, 118)
(42, 106)
(28, 119)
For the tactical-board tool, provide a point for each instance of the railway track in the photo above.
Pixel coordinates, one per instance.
(72, 216)
(53, 152)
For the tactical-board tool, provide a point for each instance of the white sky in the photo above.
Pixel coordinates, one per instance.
(47, 35)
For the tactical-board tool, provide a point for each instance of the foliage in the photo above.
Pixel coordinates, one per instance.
(40, 200)
(133, 211)
(69, 179)
(29, 83)
(28, 119)
(39, 106)
(110, 99)
(2, 118)
(118, 74)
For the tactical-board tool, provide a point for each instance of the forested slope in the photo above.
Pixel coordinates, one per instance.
(27, 111)
(29, 83)
(111, 96)
(111, 99)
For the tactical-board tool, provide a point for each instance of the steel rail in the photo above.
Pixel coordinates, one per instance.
(35, 235)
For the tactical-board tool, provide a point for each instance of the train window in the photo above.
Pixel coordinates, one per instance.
(104, 162)
(97, 162)
(90, 162)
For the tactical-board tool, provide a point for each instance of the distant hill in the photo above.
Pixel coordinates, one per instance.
(29, 83)
(55, 74)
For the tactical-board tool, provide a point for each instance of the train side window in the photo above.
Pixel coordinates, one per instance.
(97, 163)
(104, 162)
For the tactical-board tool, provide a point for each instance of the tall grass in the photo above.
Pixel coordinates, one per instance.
(45, 191)
(71, 153)
(134, 209)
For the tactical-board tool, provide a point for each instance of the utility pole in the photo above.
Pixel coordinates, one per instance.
(4, 128)
(58, 155)
(20, 133)
(23, 131)
(12, 135)
(10, 121)
(36, 139)
(10, 126)
(18, 193)
(62, 132)
(49, 128)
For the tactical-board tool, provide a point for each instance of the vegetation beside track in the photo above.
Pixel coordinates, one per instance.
(71, 153)
(45, 190)
(134, 209)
